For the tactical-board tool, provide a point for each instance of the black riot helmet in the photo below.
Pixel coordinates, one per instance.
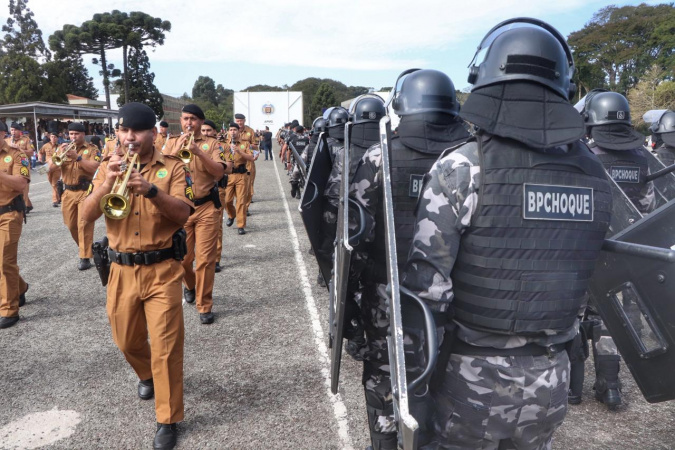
(367, 108)
(319, 125)
(338, 117)
(605, 107)
(424, 91)
(525, 49)
(666, 124)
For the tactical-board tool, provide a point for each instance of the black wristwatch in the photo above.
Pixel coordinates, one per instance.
(152, 192)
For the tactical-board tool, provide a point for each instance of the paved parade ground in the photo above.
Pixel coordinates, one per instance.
(255, 379)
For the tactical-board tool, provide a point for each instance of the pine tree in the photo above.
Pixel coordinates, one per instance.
(324, 98)
(141, 83)
(23, 35)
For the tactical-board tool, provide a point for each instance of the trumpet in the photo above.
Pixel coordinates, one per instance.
(60, 157)
(117, 204)
(185, 154)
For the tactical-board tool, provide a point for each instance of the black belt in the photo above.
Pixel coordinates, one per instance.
(141, 258)
(8, 208)
(201, 201)
(240, 169)
(460, 347)
(77, 187)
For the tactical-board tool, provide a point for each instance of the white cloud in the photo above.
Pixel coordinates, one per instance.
(354, 34)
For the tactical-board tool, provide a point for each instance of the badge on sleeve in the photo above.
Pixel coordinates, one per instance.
(8, 159)
(24, 171)
(161, 173)
(97, 156)
(189, 193)
(86, 152)
(205, 147)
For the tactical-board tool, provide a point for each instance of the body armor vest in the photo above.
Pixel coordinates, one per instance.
(629, 169)
(332, 145)
(299, 142)
(525, 262)
(314, 140)
(666, 155)
(408, 168)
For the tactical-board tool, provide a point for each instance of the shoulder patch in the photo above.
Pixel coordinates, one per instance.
(189, 193)
(24, 171)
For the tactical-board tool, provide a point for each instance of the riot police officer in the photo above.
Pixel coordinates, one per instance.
(664, 130)
(429, 124)
(299, 141)
(508, 230)
(620, 149)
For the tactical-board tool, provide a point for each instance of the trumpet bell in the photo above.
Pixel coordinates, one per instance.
(115, 206)
(185, 156)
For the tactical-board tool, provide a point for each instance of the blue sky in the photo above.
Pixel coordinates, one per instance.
(357, 42)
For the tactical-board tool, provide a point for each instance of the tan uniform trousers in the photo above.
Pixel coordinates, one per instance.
(11, 283)
(237, 185)
(251, 181)
(81, 231)
(219, 252)
(202, 232)
(147, 300)
(53, 178)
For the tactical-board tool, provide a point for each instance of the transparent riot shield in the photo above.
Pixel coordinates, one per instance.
(298, 160)
(312, 203)
(634, 290)
(408, 427)
(664, 181)
(341, 265)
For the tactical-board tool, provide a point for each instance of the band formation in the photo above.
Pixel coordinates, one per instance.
(460, 249)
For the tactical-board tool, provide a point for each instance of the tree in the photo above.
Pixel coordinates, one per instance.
(204, 90)
(621, 44)
(324, 98)
(651, 92)
(141, 88)
(141, 30)
(95, 36)
(21, 80)
(263, 88)
(23, 35)
(222, 94)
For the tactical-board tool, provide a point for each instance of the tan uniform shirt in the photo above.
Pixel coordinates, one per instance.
(145, 228)
(12, 162)
(160, 140)
(25, 145)
(48, 150)
(237, 158)
(72, 172)
(203, 181)
(109, 148)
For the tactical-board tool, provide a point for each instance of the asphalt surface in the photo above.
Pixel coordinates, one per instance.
(256, 378)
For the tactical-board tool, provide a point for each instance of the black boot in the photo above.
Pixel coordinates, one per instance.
(607, 385)
(577, 352)
(166, 436)
(294, 189)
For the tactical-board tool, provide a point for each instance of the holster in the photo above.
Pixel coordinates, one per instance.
(101, 259)
(180, 244)
(60, 187)
(222, 183)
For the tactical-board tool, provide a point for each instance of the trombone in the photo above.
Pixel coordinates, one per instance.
(185, 154)
(60, 157)
(117, 204)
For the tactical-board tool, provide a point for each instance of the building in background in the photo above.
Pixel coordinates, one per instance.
(269, 109)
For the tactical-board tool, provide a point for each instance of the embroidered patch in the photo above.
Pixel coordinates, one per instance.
(24, 171)
(24, 160)
(161, 173)
(8, 159)
(189, 193)
(86, 152)
(567, 203)
(242, 146)
(205, 146)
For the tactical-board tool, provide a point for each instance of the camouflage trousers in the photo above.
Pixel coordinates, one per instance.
(514, 402)
(296, 175)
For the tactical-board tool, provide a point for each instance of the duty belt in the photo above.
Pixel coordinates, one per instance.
(8, 208)
(82, 186)
(141, 258)
(460, 347)
(241, 168)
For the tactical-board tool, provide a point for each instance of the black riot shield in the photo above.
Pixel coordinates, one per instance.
(634, 290)
(312, 203)
(298, 160)
(408, 427)
(341, 263)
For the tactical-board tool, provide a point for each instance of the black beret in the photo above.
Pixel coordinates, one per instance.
(164, 124)
(3, 126)
(16, 126)
(211, 124)
(137, 116)
(193, 109)
(239, 116)
(295, 123)
(117, 125)
(76, 126)
(234, 124)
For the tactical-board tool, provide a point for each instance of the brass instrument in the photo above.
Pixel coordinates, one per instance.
(60, 157)
(116, 204)
(185, 154)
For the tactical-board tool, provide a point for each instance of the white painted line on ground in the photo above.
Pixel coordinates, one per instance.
(339, 408)
(39, 182)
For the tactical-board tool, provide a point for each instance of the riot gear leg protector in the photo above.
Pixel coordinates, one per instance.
(380, 408)
(607, 385)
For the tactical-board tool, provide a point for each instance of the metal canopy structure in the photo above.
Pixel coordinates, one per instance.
(54, 111)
